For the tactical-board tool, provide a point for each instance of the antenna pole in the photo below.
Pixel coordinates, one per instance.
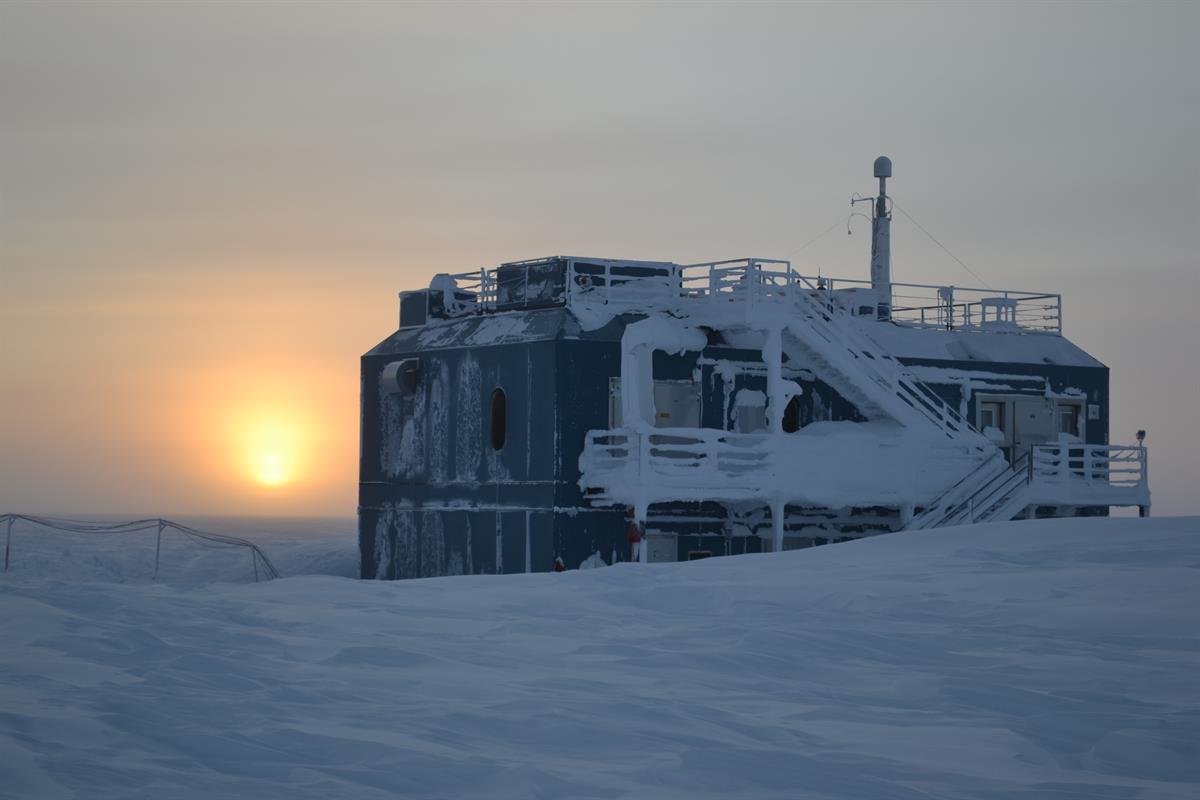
(881, 243)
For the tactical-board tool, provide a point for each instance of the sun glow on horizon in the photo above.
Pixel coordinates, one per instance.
(272, 468)
(269, 441)
(273, 449)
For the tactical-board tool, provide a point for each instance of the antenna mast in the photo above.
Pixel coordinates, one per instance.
(881, 243)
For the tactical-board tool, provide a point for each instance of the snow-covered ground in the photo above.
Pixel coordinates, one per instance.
(1055, 659)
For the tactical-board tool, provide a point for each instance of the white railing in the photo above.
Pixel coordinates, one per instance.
(641, 286)
(1093, 465)
(512, 286)
(683, 454)
(621, 462)
(624, 285)
(633, 285)
(755, 282)
(751, 280)
(480, 284)
(927, 305)
(759, 280)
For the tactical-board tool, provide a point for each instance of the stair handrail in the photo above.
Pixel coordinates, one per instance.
(1001, 484)
(931, 405)
(1003, 480)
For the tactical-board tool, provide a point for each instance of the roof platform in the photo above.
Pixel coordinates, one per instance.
(638, 285)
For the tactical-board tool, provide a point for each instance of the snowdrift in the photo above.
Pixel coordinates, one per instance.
(1032, 659)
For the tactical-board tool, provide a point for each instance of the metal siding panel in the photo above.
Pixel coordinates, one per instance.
(541, 541)
(513, 535)
(583, 371)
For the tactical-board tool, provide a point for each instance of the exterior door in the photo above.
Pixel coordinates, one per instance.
(1034, 422)
(995, 420)
(661, 546)
(676, 404)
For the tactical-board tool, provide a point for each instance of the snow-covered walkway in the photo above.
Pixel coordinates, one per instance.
(1055, 659)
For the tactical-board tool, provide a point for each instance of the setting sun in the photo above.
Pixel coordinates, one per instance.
(268, 443)
(271, 468)
(272, 450)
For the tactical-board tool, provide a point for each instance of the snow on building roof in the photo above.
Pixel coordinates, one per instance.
(505, 327)
(902, 342)
(973, 345)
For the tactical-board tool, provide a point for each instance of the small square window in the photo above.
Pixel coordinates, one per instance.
(1068, 420)
(991, 415)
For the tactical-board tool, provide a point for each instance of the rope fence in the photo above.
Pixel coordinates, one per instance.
(263, 568)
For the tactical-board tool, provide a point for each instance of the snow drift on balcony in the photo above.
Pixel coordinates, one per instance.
(830, 464)
(1028, 659)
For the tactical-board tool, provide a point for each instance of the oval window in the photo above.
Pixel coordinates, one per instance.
(499, 418)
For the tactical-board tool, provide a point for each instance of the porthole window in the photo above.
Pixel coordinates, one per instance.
(499, 418)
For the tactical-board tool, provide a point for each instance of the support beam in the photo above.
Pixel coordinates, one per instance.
(772, 353)
(777, 526)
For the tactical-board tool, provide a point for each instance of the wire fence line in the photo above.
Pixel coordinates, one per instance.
(263, 568)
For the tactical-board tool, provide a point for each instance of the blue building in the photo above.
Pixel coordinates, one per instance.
(597, 410)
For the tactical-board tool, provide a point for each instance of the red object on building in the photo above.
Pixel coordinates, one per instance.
(635, 532)
(559, 566)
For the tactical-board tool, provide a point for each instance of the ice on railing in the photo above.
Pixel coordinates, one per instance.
(826, 463)
(1073, 473)
(590, 285)
(448, 299)
(1118, 466)
(932, 306)
(913, 448)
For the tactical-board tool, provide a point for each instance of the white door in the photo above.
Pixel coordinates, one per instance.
(1034, 422)
(676, 404)
(661, 546)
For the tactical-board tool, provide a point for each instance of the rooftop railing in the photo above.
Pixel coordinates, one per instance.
(927, 305)
(639, 285)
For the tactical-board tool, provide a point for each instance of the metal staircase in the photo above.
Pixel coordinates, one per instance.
(866, 374)
(817, 334)
(993, 492)
(827, 335)
(758, 293)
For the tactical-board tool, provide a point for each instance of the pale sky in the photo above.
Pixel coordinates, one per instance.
(206, 211)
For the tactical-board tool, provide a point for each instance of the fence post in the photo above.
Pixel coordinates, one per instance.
(8, 542)
(158, 547)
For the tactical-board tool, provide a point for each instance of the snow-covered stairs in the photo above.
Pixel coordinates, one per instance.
(863, 372)
(824, 337)
(993, 492)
